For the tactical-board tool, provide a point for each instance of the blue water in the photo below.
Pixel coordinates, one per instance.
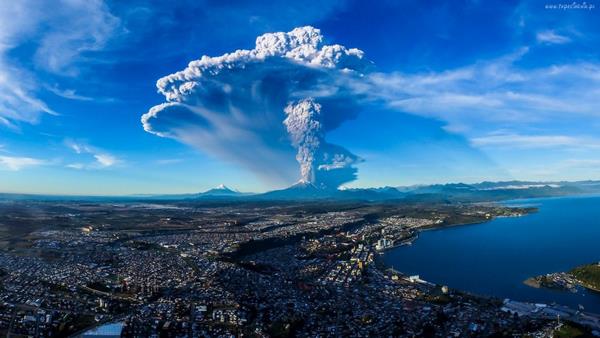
(494, 258)
(106, 330)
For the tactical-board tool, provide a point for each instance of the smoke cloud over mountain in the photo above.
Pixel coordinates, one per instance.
(262, 108)
(304, 126)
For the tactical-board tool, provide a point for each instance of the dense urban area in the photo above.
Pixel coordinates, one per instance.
(257, 269)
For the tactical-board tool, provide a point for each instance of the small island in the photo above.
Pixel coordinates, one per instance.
(587, 276)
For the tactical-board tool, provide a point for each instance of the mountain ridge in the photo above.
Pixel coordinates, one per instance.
(304, 191)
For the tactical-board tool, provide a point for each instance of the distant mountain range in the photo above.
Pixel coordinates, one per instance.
(444, 193)
(453, 192)
(219, 192)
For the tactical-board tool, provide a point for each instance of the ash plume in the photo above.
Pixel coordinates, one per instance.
(262, 108)
(302, 122)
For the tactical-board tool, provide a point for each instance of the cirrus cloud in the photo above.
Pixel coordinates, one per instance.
(58, 33)
(551, 37)
(495, 94)
(102, 159)
(15, 163)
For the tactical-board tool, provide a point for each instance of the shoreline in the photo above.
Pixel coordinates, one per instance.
(563, 281)
(545, 311)
(433, 227)
(382, 266)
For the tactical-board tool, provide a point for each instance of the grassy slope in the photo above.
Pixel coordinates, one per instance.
(589, 275)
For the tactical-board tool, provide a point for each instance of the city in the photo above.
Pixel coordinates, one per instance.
(188, 269)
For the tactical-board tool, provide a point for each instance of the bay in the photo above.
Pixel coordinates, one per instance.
(494, 258)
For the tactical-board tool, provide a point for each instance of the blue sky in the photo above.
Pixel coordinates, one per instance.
(458, 91)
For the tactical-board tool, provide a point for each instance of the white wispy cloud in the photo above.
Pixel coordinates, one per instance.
(102, 159)
(551, 37)
(69, 94)
(78, 166)
(514, 140)
(18, 102)
(524, 141)
(106, 160)
(14, 163)
(58, 34)
(493, 94)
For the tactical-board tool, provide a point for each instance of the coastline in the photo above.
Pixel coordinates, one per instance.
(433, 226)
(542, 311)
(583, 276)
(535, 282)
(383, 267)
(589, 287)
